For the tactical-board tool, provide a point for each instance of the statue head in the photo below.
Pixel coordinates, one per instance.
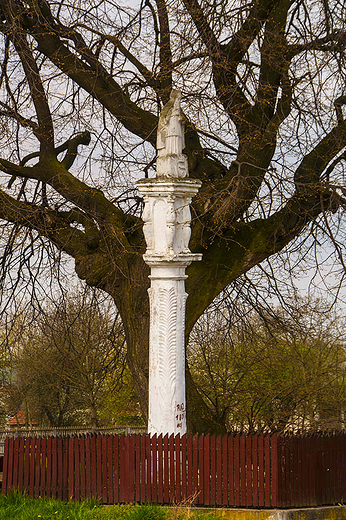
(175, 98)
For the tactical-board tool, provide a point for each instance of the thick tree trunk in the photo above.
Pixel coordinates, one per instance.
(133, 304)
(94, 416)
(137, 340)
(200, 418)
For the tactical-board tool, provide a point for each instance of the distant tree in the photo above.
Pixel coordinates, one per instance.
(70, 363)
(276, 374)
(82, 84)
(4, 382)
(10, 332)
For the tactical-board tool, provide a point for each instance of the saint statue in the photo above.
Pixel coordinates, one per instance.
(171, 162)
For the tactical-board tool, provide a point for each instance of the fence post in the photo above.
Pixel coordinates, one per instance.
(206, 469)
(255, 470)
(183, 468)
(219, 470)
(242, 471)
(70, 470)
(227, 470)
(274, 463)
(267, 470)
(160, 468)
(236, 442)
(5, 467)
(248, 458)
(212, 470)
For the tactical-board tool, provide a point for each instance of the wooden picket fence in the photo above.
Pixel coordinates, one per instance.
(67, 431)
(237, 471)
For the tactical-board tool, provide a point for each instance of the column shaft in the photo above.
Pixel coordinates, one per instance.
(167, 401)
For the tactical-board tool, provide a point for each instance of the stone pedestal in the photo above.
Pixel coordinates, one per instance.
(167, 231)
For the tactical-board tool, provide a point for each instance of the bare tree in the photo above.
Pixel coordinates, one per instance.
(69, 362)
(81, 88)
(284, 372)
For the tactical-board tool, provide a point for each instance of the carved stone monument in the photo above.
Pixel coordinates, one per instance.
(167, 233)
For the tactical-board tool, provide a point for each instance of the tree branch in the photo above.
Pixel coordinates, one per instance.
(72, 148)
(91, 76)
(233, 194)
(247, 244)
(46, 222)
(90, 200)
(166, 67)
(203, 28)
(45, 133)
(224, 70)
(23, 121)
(84, 247)
(146, 73)
(274, 64)
(101, 87)
(336, 39)
(308, 173)
(244, 37)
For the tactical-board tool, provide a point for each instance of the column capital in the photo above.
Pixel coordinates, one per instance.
(157, 187)
(171, 259)
(167, 219)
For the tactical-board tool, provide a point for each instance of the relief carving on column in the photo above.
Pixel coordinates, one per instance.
(168, 308)
(171, 218)
(148, 229)
(167, 225)
(180, 411)
(186, 233)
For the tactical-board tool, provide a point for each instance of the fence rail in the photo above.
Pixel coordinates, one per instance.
(66, 431)
(240, 470)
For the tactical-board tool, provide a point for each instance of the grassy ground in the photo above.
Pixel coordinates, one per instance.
(17, 507)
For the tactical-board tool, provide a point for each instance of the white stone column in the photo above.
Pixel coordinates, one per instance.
(167, 406)
(167, 233)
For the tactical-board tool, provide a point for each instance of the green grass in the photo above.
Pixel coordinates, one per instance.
(18, 507)
(15, 506)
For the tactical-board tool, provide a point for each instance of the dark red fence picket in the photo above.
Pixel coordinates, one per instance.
(312, 470)
(237, 471)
